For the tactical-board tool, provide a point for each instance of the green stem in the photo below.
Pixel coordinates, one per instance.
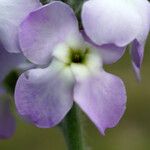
(71, 127)
(45, 1)
(77, 5)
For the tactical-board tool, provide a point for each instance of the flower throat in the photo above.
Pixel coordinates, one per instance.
(78, 56)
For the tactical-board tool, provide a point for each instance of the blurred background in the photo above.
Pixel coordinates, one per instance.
(132, 133)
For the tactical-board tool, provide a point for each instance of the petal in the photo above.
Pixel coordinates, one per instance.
(12, 13)
(9, 61)
(138, 45)
(137, 53)
(7, 122)
(109, 52)
(102, 97)
(45, 96)
(143, 8)
(100, 21)
(44, 28)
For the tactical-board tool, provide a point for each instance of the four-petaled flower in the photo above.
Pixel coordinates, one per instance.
(69, 70)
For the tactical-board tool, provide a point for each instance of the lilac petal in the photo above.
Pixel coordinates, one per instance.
(137, 50)
(2, 91)
(7, 122)
(137, 53)
(119, 22)
(143, 8)
(12, 13)
(109, 52)
(44, 96)
(44, 28)
(102, 97)
(9, 61)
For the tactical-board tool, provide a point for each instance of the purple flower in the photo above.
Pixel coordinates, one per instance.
(7, 122)
(12, 12)
(120, 23)
(70, 70)
(9, 61)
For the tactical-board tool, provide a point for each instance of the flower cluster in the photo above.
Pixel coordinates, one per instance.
(68, 62)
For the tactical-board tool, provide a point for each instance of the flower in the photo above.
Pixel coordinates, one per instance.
(69, 69)
(9, 61)
(7, 125)
(120, 23)
(12, 12)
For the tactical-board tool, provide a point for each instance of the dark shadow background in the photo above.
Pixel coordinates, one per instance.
(132, 133)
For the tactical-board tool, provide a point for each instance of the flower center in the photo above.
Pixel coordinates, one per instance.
(78, 56)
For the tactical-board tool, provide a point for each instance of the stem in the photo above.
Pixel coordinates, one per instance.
(65, 1)
(71, 128)
(45, 1)
(77, 5)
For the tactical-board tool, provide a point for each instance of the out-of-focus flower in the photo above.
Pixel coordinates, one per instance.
(12, 12)
(7, 122)
(118, 22)
(71, 71)
(9, 61)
